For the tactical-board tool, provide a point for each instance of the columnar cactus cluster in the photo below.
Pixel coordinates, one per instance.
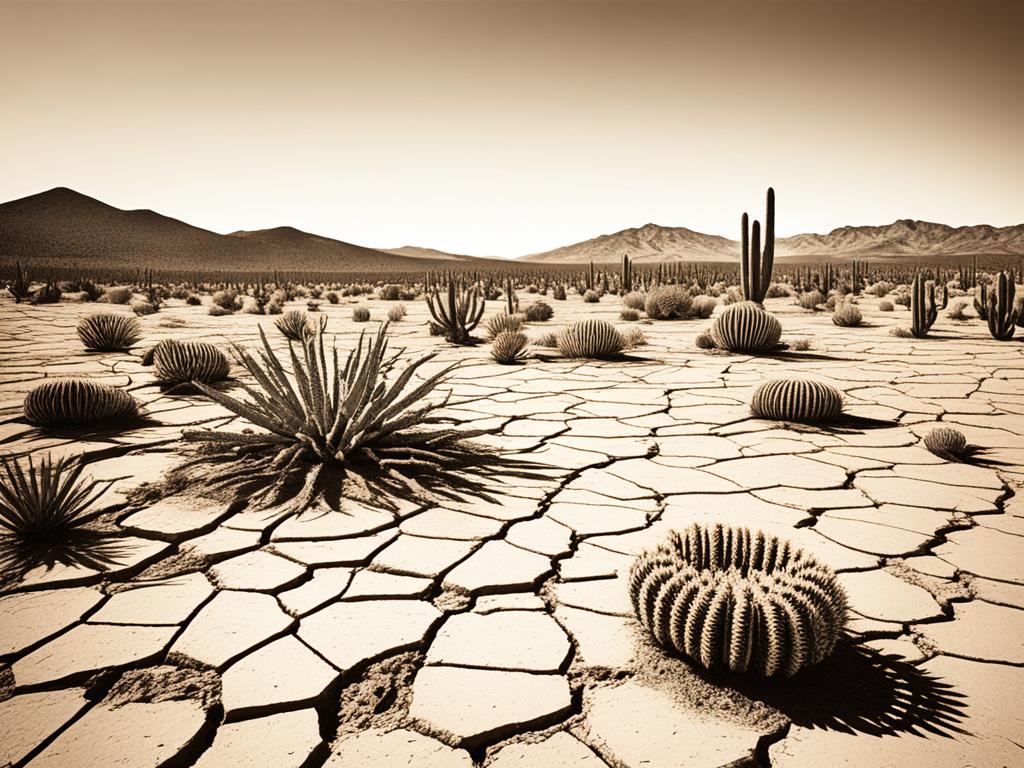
(923, 309)
(730, 599)
(756, 265)
(1001, 313)
(459, 313)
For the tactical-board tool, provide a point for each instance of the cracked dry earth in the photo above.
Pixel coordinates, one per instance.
(500, 633)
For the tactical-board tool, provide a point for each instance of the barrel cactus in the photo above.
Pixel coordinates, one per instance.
(947, 443)
(847, 315)
(668, 302)
(539, 312)
(590, 338)
(108, 332)
(730, 599)
(509, 347)
(76, 403)
(746, 327)
(176, 362)
(796, 400)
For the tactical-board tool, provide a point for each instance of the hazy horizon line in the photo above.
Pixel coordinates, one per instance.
(343, 239)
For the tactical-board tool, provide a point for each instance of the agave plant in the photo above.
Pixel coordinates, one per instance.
(330, 420)
(45, 502)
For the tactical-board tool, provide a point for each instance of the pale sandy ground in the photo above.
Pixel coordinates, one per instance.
(268, 641)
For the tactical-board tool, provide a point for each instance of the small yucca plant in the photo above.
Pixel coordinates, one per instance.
(295, 325)
(509, 347)
(503, 323)
(44, 502)
(332, 420)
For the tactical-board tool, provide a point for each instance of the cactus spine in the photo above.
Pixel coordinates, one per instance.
(755, 264)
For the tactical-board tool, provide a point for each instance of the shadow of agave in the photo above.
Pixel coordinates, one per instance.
(81, 548)
(254, 478)
(860, 690)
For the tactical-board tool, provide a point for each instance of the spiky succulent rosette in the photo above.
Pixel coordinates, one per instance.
(730, 599)
(356, 426)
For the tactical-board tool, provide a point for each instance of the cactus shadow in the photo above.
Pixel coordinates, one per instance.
(861, 690)
(109, 428)
(788, 355)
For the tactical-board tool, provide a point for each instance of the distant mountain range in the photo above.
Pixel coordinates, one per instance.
(904, 238)
(62, 226)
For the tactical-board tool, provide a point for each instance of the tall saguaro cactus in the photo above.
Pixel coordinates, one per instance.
(922, 307)
(626, 278)
(1001, 315)
(755, 264)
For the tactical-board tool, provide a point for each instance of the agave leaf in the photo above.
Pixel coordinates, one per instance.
(244, 410)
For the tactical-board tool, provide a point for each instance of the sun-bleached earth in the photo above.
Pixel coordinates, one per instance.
(500, 633)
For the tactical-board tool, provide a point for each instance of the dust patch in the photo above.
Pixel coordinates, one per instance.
(6, 682)
(701, 691)
(175, 565)
(166, 683)
(452, 600)
(943, 590)
(380, 698)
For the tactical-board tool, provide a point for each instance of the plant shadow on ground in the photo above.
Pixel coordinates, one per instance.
(619, 358)
(85, 548)
(107, 429)
(975, 456)
(846, 424)
(861, 690)
(189, 389)
(474, 473)
(793, 356)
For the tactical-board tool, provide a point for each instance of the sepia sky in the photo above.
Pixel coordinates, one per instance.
(500, 127)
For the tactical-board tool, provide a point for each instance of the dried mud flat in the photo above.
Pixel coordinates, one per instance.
(500, 633)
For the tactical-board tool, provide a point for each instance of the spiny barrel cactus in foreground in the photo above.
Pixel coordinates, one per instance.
(176, 362)
(746, 327)
(356, 425)
(108, 332)
(77, 402)
(947, 443)
(590, 338)
(730, 599)
(796, 400)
